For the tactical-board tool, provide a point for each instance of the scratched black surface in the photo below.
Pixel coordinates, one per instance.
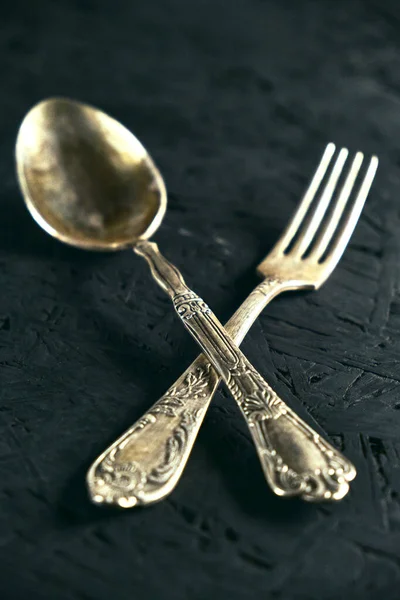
(235, 101)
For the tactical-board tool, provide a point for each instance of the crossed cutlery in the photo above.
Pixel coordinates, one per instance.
(145, 464)
(89, 182)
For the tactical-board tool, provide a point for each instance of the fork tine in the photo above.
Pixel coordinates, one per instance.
(306, 236)
(308, 197)
(347, 228)
(329, 229)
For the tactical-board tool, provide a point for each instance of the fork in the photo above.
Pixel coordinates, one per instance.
(144, 465)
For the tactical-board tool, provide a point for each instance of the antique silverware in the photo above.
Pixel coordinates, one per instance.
(145, 464)
(89, 182)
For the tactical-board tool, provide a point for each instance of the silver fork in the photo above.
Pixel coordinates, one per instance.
(146, 462)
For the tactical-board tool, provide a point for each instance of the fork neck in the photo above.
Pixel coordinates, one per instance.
(254, 304)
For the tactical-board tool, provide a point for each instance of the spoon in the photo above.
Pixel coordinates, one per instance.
(89, 182)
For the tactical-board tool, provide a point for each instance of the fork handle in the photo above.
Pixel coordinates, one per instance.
(146, 462)
(295, 459)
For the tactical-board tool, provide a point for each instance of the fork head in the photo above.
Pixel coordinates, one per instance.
(318, 233)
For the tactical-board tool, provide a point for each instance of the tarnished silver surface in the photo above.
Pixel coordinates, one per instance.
(89, 182)
(160, 443)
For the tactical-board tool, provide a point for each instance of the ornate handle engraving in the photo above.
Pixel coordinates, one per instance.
(295, 459)
(145, 464)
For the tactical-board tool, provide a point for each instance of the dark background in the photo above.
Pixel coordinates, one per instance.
(235, 101)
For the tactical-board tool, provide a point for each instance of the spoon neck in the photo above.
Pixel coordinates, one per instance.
(164, 273)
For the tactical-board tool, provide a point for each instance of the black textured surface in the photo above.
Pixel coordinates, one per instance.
(235, 100)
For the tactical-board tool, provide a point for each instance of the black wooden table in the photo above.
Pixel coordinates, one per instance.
(235, 101)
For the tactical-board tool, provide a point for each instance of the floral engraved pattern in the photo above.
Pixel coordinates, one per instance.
(257, 400)
(325, 483)
(188, 304)
(126, 483)
(174, 448)
(324, 474)
(118, 483)
(262, 404)
(169, 405)
(192, 386)
(325, 480)
(294, 459)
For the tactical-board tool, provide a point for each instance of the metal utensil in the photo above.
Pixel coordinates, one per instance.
(90, 183)
(145, 464)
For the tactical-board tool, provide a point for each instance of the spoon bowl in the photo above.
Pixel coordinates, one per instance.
(86, 179)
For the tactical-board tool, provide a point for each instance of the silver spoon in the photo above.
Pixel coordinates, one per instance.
(90, 183)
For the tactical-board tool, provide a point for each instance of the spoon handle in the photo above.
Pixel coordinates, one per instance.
(295, 459)
(146, 462)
